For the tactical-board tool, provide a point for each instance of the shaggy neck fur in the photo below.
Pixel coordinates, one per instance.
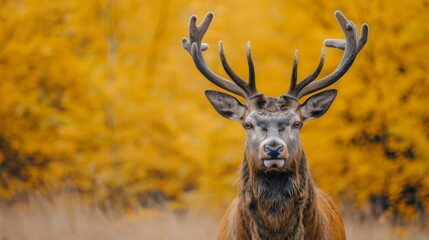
(278, 205)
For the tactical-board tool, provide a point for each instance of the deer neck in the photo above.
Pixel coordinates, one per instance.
(277, 204)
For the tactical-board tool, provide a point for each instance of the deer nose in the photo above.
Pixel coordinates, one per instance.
(273, 148)
(273, 151)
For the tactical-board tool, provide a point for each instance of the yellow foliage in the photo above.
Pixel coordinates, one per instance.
(100, 97)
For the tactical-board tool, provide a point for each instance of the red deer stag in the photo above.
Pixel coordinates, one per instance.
(277, 197)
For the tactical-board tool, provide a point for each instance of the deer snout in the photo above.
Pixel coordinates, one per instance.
(273, 152)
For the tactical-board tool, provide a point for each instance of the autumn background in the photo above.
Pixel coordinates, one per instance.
(100, 103)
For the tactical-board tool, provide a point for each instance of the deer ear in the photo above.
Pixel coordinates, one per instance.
(226, 105)
(318, 104)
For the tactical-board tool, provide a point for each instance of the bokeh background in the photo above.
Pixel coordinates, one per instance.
(98, 99)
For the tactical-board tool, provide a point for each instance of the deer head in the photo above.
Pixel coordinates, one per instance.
(273, 124)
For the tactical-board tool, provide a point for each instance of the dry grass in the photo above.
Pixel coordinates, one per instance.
(373, 230)
(40, 219)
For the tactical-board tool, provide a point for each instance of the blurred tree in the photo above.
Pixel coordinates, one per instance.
(99, 97)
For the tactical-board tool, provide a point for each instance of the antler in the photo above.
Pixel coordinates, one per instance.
(351, 46)
(195, 47)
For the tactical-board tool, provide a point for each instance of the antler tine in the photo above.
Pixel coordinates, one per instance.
(295, 88)
(195, 47)
(252, 82)
(294, 76)
(312, 76)
(351, 46)
(364, 37)
(240, 82)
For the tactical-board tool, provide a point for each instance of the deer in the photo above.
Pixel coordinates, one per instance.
(277, 197)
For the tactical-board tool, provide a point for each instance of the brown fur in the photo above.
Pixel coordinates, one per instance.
(278, 205)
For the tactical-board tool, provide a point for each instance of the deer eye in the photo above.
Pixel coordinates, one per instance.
(296, 124)
(248, 125)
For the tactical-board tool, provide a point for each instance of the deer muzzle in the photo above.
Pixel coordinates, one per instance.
(273, 153)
